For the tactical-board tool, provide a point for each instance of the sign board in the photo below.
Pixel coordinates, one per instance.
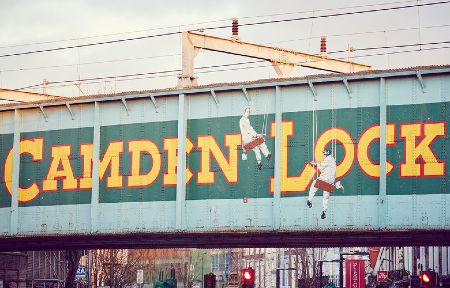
(81, 272)
(382, 276)
(354, 273)
(140, 276)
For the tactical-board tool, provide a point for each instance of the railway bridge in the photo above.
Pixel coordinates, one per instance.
(106, 171)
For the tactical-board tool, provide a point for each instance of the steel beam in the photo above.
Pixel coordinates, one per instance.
(152, 97)
(180, 206)
(382, 207)
(14, 228)
(277, 167)
(70, 111)
(347, 86)
(313, 90)
(95, 195)
(22, 96)
(420, 79)
(43, 113)
(283, 60)
(213, 94)
(124, 102)
(247, 97)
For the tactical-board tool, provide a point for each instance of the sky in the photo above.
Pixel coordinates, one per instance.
(36, 25)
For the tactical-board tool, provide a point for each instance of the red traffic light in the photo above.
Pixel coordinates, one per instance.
(428, 278)
(248, 275)
(425, 278)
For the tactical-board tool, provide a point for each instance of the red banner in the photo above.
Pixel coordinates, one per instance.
(354, 273)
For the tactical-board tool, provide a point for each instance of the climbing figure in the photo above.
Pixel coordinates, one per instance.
(252, 140)
(325, 181)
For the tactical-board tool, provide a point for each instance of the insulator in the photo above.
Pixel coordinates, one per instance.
(323, 44)
(235, 27)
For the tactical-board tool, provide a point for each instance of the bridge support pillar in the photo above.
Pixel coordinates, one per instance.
(180, 206)
(14, 228)
(95, 164)
(276, 209)
(382, 211)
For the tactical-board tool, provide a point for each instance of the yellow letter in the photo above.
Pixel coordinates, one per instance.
(171, 146)
(366, 139)
(290, 183)
(35, 148)
(86, 151)
(208, 145)
(346, 140)
(137, 147)
(60, 156)
(112, 158)
(414, 150)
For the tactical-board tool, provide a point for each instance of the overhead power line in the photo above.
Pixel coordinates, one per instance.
(178, 54)
(206, 22)
(176, 72)
(227, 26)
(146, 75)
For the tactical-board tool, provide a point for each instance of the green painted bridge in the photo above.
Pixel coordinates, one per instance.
(105, 171)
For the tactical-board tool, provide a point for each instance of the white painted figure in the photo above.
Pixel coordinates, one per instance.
(248, 135)
(328, 174)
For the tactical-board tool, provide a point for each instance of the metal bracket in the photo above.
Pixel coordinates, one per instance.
(347, 86)
(213, 94)
(124, 102)
(43, 113)
(70, 111)
(154, 103)
(247, 97)
(420, 79)
(311, 86)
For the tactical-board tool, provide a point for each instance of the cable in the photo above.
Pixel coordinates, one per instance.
(120, 77)
(241, 68)
(391, 47)
(199, 23)
(178, 54)
(90, 63)
(89, 44)
(359, 33)
(332, 15)
(225, 26)
(136, 74)
(250, 67)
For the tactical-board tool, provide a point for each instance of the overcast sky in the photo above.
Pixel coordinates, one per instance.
(58, 23)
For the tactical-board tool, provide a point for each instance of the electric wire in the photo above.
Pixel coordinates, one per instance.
(225, 26)
(178, 54)
(158, 74)
(205, 22)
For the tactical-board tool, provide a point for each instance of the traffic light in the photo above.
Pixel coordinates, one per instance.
(209, 280)
(247, 278)
(428, 279)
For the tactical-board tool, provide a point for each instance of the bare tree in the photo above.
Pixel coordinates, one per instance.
(73, 259)
(114, 267)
